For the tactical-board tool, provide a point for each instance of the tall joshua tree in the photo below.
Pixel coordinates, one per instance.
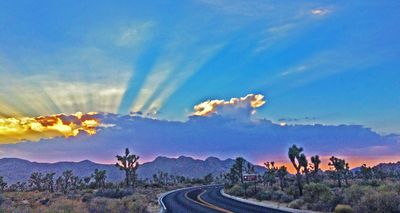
(36, 181)
(99, 178)
(315, 166)
(128, 163)
(49, 181)
(295, 157)
(269, 175)
(65, 181)
(238, 169)
(341, 169)
(304, 163)
(281, 173)
(3, 184)
(315, 161)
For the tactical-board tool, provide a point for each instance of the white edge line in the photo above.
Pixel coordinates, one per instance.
(263, 204)
(163, 208)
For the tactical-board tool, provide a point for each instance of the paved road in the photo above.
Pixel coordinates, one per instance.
(208, 199)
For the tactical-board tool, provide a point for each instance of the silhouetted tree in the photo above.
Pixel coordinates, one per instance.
(238, 169)
(87, 180)
(36, 181)
(316, 162)
(282, 173)
(3, 184)
(66, 181)
(303, 162)
(100, 178)
(49, 181)
(315, 167)
(231, 177)
(269, 175)
(129, 164)
(208, 179)
(341, 169)
(365, 172)
(295, 157)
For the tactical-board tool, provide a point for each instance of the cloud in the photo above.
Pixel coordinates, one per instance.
(246, 104)
(135, 34)
(319, 12)
(208, 136)
(297, 119)
(14, 130)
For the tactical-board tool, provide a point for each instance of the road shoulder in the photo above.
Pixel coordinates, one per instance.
(265, 204)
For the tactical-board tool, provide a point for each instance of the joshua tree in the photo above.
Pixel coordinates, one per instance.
(269, 175)
(295, 157)
(281, 173)
(87, 180)
(365, 172)
(238, 169)
(49, 181)
(341, 169)
(99, 178)
(65, 181)
(129, 163)
(315, 161)
(315, 167)
(36, 181)
(231, 177)
(208, 179)
(3, 184)
(303, 162)
(21, 186)
(76, 183)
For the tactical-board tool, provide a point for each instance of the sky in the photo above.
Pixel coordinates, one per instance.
(329, 62)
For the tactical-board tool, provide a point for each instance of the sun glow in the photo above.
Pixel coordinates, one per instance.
(13, 130)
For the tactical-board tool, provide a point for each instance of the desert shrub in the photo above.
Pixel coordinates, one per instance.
(285, 198)
(315, 192)
(263, 195)
(236, 190)
(379, 202)
(276, 195)
(354, 193)
(137, 205)
(87, 198)
(296, 204)
(66, 206)
(343, 209)
(2, 199)
(318, 196)
(99, 205)
(292, 190)
(113, 193)
(250, 191)
(105, 205)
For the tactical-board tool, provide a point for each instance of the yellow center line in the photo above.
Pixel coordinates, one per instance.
(211, 205)
(206, 204)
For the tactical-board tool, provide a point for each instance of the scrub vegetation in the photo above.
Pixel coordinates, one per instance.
(364, 190)
(44, 192)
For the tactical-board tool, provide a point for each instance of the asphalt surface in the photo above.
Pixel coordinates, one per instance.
(208, 199)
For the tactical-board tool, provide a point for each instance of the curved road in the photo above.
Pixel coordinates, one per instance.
(208, 199)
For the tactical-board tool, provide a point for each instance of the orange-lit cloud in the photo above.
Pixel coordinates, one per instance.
(14, 130)
(211, 106)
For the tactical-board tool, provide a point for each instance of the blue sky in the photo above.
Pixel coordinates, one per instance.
(333, 62)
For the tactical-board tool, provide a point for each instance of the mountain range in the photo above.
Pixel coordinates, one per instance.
(18, 170)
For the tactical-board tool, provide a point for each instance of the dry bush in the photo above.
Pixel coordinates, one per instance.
(64, 205)
(343, 209)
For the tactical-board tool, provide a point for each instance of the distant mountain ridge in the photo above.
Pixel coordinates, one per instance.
(15, 169)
